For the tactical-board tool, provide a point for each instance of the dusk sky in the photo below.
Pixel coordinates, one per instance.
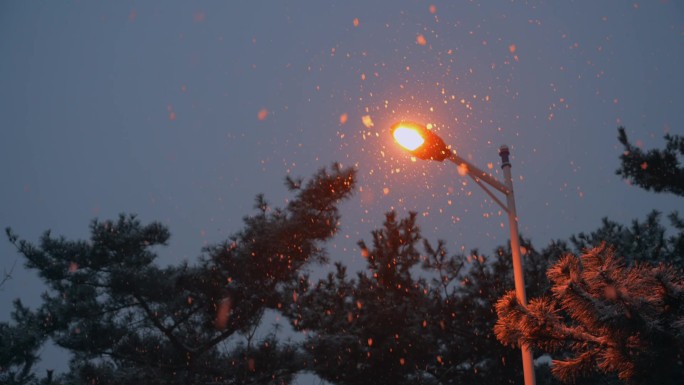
(182, 111)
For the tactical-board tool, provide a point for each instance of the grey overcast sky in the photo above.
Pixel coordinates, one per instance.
(182, 111)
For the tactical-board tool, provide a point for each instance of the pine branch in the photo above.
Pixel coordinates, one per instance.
(657, 170)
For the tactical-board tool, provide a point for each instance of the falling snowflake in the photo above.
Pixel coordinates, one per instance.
(367, 121)
(222, 314)
(172, 114)
(199, 17)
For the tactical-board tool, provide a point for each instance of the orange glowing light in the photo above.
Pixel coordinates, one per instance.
(356, 22)
(420, 39)
(343, 118)
(263, 113)
(408, 137)
(420, 141)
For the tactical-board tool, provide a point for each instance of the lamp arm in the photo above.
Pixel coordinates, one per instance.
(491, 195)
(478, 174)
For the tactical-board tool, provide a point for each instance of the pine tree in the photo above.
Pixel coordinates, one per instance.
(20, 341)
(126, 320)
(372, 330)
(641, 241)
(415, 315)
(610, 317)
(476, 356)
(657, 170)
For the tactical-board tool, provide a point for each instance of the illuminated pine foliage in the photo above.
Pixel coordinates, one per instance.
(604, 316)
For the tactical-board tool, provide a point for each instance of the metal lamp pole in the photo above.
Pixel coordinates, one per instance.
(425, 144)
(480, 176)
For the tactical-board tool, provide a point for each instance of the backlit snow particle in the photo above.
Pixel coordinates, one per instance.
(199, 17)
(222, 314)
(172, 114)
(367, 121)
(462, 170)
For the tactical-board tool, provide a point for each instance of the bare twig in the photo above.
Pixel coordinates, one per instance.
(7, 275)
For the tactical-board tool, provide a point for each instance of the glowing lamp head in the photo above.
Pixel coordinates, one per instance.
(408, 138)
(419, 141)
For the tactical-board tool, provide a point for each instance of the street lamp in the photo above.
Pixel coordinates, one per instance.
(425, 144)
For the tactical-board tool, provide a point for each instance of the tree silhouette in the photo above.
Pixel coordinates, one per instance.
(371, 330)
(657, 170)
(20, 341)
(415, 315)
(125, 319)
(641, 241)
